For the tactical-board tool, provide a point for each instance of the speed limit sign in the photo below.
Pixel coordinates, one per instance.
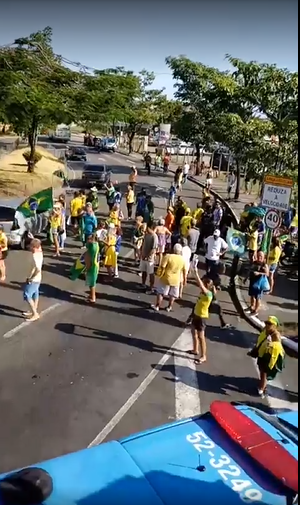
(272, 219)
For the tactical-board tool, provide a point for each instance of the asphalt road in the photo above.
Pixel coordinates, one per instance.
(83, 374)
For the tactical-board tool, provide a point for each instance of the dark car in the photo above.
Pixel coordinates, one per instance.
(95, 175)
(76, 154)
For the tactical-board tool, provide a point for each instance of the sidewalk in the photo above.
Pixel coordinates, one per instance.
(283, 302)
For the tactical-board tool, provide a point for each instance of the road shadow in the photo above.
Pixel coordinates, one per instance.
(5, 310)
(104, 335)
(233, 337)
(221, 384)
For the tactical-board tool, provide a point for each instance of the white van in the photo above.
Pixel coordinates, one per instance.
(61, 134)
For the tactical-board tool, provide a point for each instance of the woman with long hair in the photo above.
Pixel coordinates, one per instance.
(258, 282)
(200, 318)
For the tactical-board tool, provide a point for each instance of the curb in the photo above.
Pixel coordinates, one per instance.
(253, 321)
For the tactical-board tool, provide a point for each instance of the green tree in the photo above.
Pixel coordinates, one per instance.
(273, 93)
(144, 108)
(34, 86)
(248, 142)
(101, 99)
(204, 92)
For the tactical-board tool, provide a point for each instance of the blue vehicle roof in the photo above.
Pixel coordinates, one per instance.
(191, 461)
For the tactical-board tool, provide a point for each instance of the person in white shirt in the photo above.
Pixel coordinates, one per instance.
(33, 282)
(186, 254)
(186, 169)
(231, 180)
(215, 249)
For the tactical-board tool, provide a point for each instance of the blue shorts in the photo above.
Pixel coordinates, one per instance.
(31, 291)
(273, 267)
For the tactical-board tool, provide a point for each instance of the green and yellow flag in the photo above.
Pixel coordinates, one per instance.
(78, 268)
(39, 202)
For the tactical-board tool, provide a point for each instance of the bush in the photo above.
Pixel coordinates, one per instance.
(36, 157)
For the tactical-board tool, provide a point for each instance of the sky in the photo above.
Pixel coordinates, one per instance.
(139, 34)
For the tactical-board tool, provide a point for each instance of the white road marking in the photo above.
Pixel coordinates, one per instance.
(187, 395)
(135, 396)
(20, 327)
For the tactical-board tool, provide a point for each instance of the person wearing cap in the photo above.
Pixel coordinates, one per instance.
(92, 198)
(171, 273)
(269, 353)
(216, 247)
(3, 253)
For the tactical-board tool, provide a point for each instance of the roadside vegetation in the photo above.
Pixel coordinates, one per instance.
(252, 110)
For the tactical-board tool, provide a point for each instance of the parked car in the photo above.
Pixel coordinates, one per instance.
(95, 175)
(18, 229)
(76, 154)
(108, 144)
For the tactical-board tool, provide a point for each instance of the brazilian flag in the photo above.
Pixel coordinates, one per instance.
(39, 202)
(78, 268)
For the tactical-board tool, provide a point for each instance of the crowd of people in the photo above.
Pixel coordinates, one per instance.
(166, 253)
(263, 264)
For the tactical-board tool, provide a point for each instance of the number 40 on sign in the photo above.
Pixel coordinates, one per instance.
(272, 219)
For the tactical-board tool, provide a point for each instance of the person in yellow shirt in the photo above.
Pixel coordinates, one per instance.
(200, 316)
(273, 260)
(116, 216)
(3, 253)
(171, 273)
(82, 195)
(56, 221)
(269, 353)
(76, 209)
(130, 199)
(185, 223)
(110, 258)
(253, 243)
(197, 214)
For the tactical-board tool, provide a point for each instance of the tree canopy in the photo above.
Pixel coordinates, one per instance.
(251, 109)
(244, 109)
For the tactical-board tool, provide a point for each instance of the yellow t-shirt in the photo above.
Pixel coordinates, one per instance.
(76, 206)
(3, 242)
(55, 222)
(130, 196)
(253, 241)
(83, 200)
(185, 225)
(114, 217)
(172, 266)
(274, 256)
(197, 214)
(202, 305)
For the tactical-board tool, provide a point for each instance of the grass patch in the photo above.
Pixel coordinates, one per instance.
(16, 182)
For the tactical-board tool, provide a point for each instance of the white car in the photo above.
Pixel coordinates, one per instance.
(18, 229)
